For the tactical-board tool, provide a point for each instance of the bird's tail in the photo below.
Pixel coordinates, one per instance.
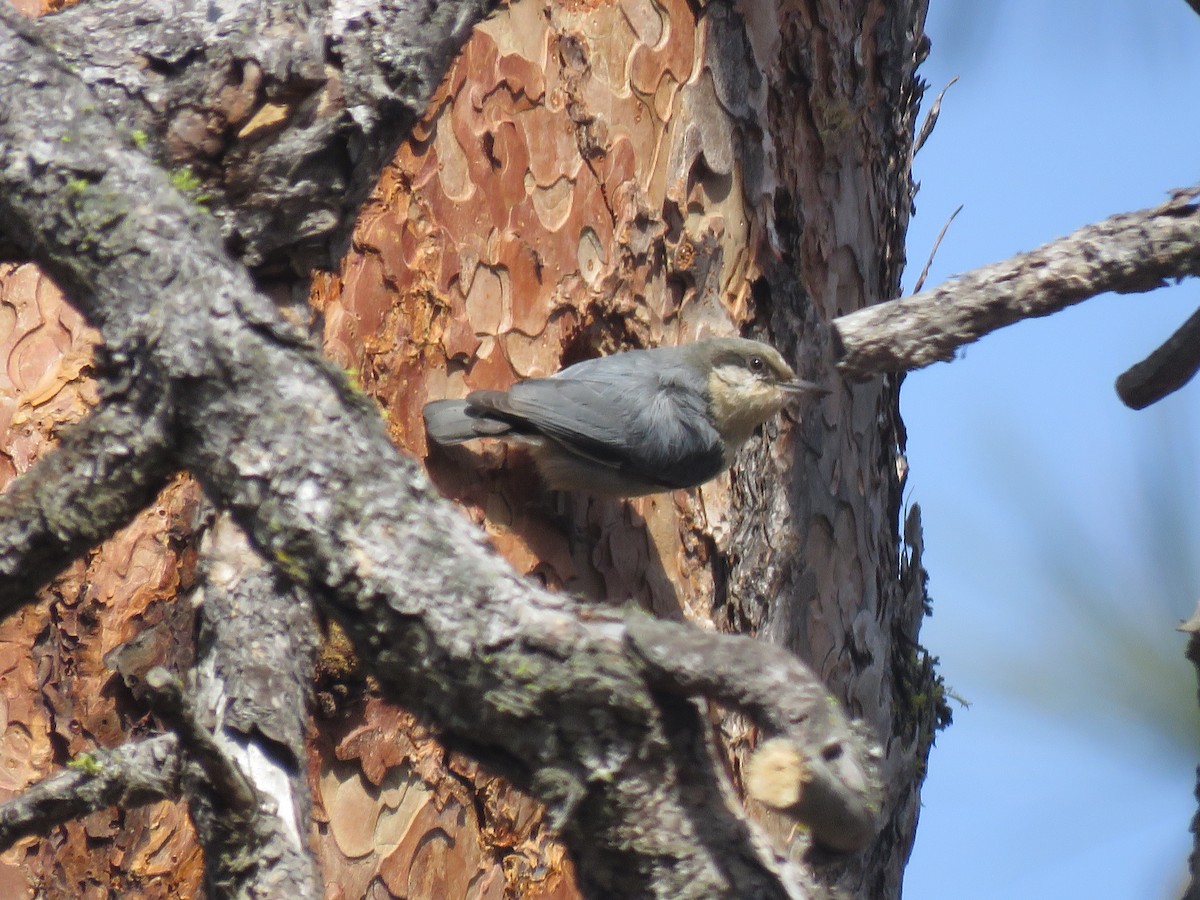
(456, 421)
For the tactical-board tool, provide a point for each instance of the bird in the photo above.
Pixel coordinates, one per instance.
(633, 423)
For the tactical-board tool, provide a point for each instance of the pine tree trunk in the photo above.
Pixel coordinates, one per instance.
(591, 177)
(597, 178)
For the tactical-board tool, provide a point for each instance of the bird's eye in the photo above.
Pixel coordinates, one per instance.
(757, 364)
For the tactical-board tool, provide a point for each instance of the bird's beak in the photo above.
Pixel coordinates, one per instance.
(800, 386)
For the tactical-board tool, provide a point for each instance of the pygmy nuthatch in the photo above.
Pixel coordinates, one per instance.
(632, 423)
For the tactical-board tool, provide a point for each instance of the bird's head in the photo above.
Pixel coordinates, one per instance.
(748, 382)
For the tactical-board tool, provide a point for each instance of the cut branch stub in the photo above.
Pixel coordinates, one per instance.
(820, 769)
(814, 791)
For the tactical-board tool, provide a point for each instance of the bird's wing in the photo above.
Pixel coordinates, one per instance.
(638, 419)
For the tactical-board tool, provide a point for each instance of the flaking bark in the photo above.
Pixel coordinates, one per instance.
(276, 116)
(278, 438)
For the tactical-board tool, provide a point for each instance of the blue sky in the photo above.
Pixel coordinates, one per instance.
(1056, 781)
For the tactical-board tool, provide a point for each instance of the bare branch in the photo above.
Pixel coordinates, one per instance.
(931, 119)
(297, 188)
(249, 850)
(253, 678)
(258, 646)
(1127, 253)
(933, 251)
(132, 775)
(174, 707)
(1165, 370)
(107, 468)
(242, 721)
